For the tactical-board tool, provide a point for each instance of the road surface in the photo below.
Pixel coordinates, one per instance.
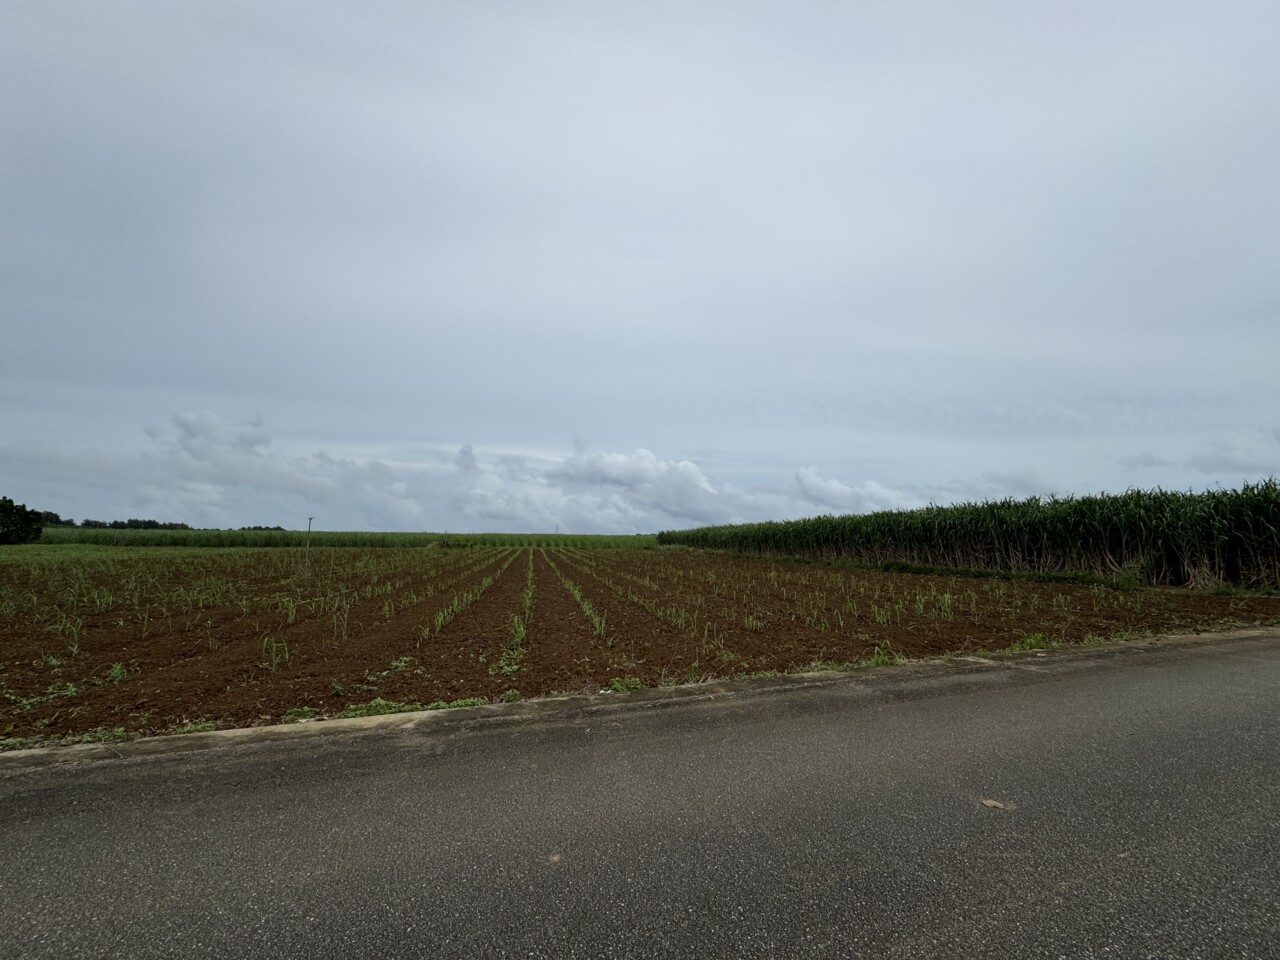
(1105, 803)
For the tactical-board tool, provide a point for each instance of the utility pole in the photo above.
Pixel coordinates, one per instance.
(306, 556)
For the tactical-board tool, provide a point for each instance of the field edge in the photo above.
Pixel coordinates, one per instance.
(545, 709)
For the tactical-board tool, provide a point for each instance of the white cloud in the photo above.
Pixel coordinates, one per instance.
(834, 495)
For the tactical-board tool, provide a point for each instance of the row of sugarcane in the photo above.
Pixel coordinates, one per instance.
(1156, 536)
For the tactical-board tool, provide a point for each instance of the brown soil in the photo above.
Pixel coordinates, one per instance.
(564, 654)
(636, 643)
(154, 640)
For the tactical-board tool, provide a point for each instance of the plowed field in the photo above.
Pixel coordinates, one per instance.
(102, 643)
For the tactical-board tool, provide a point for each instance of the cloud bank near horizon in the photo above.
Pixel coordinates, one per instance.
(200, 469)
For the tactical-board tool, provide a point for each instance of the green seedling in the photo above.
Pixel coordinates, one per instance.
(274, 653)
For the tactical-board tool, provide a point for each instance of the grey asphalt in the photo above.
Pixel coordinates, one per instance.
(1140, 818)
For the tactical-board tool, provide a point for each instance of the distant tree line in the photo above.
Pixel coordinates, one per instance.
(50, 519)
(20, 524)
(131, 524)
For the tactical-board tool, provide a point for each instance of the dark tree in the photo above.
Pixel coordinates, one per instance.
(132, 524)
(17, 523)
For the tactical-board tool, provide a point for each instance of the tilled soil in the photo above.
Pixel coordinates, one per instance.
(153, 641)
(564, 652)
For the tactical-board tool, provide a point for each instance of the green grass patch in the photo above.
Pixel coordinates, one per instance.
(98, 735)
(378, 707)
(1035, 641)
(756, 675)
(195, 726)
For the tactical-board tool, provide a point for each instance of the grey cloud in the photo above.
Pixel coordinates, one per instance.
(1017, 483)
(1235, 460)
(202, 433)
(1146, 460)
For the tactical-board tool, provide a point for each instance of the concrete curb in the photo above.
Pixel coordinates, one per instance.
(916, 672)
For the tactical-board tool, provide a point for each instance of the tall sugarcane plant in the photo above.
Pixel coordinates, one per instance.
(1158, 536)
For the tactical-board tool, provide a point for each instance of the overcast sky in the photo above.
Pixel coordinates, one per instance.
(631, 266)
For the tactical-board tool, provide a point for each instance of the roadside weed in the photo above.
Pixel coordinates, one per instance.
(196, 726)
(1034, 641)
(377, 707)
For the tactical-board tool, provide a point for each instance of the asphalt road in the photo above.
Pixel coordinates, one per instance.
(1141, 818)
